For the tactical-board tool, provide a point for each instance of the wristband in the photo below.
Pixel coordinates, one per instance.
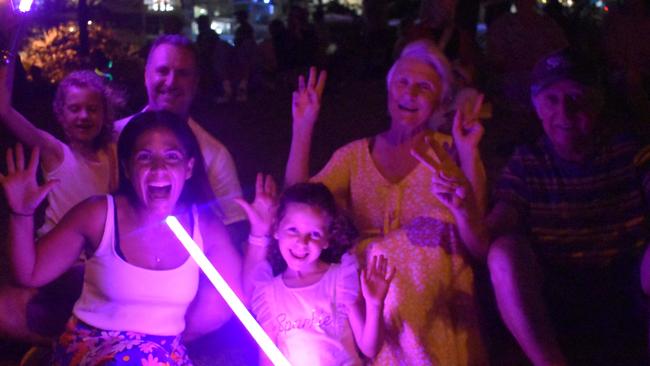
(259, 240)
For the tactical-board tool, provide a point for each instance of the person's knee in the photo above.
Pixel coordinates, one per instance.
(13, 311)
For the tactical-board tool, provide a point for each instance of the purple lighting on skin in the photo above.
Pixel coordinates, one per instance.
(256, 331)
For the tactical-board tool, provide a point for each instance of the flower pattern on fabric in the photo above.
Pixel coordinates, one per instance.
(429, 232)
(430, 312)
(84, 345)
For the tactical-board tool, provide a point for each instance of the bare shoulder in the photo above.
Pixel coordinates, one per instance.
(92, 208)
(83, 223)
(89, 215)
(119, 125)
(214, 233)
(52, 152)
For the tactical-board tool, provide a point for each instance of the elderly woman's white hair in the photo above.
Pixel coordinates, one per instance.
(428, 52)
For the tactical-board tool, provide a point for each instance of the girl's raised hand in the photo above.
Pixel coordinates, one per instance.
(306, 100)
(21, 189)
(261, 211)
(375, 280)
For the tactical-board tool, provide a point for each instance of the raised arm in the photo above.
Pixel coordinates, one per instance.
(209, 310)
(305, 107)
(25, 131)
(260, 215)
(467, 132)
(37, 264)
(366, 317)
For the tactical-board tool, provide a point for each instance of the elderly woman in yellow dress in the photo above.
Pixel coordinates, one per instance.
(413, 203)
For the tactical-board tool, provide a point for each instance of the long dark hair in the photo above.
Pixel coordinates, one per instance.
(196, 190)
(341, 233)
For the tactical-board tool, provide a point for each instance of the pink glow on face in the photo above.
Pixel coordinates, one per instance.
(253, 327)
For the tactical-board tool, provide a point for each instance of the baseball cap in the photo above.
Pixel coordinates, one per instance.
(560, 65)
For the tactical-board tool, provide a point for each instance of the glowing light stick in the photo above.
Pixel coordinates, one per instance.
(262, 339)
(25, 5)
(6, 56)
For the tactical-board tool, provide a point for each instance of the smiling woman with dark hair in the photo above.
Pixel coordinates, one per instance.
(141, 289)
(197, 186)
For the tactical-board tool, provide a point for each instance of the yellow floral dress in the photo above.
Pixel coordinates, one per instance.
(431, 316)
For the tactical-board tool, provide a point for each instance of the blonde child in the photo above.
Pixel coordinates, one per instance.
(84, 164)
(84, 161)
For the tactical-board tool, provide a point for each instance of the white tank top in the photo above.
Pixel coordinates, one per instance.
(78, 180)
(117, 295)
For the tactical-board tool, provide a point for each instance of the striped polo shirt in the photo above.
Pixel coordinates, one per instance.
(579, 213)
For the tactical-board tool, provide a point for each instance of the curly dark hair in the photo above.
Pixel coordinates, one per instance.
(112, 100)
(341, 232)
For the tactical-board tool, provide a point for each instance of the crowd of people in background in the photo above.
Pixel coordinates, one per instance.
(378, 257)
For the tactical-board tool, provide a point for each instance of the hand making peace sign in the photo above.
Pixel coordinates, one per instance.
(467, 130)
(306, 100)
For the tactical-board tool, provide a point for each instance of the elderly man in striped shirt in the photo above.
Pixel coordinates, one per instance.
(569, 228)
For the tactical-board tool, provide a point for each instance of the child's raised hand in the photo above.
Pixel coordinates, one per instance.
(21, 189)
(260, 212)
(375, 280)
(306, 100)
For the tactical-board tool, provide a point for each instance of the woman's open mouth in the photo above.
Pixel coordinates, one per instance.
(155, 191)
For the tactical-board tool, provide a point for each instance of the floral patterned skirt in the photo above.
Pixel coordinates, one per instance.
(85, 345)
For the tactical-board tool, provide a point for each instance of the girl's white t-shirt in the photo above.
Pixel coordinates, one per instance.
(310, 324)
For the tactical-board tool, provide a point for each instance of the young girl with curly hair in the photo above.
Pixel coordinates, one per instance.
(313, 309)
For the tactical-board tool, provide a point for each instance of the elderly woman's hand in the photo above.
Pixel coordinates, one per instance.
(467, 129)
(306, 100)
(449, 184)
(454, 192)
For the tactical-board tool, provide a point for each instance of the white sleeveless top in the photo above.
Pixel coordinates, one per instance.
(120, 296)
(78, 180)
